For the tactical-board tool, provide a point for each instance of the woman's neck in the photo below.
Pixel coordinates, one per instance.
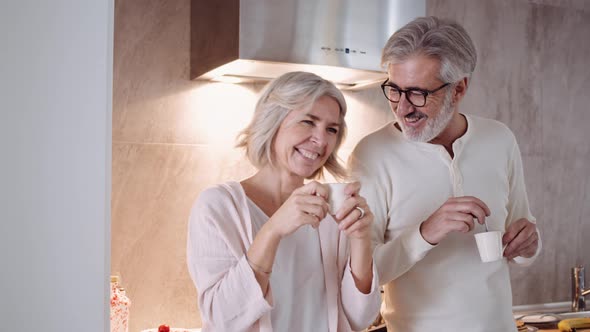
(269, 189)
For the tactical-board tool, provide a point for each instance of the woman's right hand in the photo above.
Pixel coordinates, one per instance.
(307, 205)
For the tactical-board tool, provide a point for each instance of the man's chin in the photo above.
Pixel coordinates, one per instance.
(416, 138)
(412, 134)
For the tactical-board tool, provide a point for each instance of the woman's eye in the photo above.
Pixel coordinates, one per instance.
(308, 122)
(333, 130)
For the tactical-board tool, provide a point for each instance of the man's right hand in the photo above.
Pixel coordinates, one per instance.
(455, 215)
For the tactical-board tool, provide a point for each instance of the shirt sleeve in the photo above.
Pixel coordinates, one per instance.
(526, 261)
(230, 298)
(518, 203)
(396, 256)
(360, 309)
(397, 249)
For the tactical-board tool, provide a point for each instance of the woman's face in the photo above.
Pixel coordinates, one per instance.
(306, 139)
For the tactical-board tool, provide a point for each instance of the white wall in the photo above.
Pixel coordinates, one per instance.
(55, 166)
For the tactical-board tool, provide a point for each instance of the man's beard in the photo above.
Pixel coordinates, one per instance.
(434, 126)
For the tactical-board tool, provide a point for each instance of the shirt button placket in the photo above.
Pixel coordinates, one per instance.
(457, 180)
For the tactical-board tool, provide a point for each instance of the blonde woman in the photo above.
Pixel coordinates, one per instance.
(264, 253)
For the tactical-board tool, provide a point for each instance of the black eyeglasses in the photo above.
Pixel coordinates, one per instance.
(415, 96)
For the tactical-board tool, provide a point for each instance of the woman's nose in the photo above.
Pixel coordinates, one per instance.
(319, 137)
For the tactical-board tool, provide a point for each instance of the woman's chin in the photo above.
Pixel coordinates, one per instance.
(305, 172)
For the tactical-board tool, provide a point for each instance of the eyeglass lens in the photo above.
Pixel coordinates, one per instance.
(416, 98)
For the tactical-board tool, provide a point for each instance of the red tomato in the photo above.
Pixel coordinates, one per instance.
(164, 328)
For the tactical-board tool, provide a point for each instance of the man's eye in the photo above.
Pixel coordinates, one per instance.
(416, 93)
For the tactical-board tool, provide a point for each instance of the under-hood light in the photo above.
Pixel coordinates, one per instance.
(230, 79)
(241, 71)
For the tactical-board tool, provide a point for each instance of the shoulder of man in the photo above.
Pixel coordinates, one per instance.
(491, 127)
(373, 142)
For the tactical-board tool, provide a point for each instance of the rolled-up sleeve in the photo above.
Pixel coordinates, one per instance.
(360, 309)
(230, 298)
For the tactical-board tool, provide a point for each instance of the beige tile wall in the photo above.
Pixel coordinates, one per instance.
(173, 137)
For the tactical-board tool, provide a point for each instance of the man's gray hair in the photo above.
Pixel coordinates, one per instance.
(290, 91)
(444, 39)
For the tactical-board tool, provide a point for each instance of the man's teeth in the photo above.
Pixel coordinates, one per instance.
(309, 155)
(413, 117)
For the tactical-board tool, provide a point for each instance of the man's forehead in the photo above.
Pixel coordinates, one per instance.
(416, 71)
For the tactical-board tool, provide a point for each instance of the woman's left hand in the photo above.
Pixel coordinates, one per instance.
(356, 224)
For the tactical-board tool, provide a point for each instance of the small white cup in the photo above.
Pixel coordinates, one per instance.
(336, 196)
(489, 245)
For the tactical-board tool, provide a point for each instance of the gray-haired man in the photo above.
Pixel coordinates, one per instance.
(428, 176)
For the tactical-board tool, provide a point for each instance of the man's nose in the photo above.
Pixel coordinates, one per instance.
(404, 103)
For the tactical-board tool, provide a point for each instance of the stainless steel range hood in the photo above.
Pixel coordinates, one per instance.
(340, 40)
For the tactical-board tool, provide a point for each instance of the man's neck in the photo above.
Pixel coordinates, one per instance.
(456, 128)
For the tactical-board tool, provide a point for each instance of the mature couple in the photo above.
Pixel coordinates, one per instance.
(265, 254)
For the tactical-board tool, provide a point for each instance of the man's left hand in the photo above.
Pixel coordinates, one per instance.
(521, 238)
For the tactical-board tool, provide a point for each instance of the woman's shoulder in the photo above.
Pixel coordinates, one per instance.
(219, 215)
(219, 193)
(218, 199)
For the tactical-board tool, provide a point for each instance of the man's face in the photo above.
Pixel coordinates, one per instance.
(425, 123)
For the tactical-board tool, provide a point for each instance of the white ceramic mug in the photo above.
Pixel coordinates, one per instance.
(489, 245)
(336, 196)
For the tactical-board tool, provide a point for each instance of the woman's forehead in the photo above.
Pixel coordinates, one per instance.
(324, 109)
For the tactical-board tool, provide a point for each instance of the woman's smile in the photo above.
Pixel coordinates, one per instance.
(308, 154)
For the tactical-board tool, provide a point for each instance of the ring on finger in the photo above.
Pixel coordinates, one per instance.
(362, 211)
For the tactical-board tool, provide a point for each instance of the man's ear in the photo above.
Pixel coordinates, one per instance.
(460, 90)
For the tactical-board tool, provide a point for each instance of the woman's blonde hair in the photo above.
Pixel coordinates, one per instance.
(290, 91)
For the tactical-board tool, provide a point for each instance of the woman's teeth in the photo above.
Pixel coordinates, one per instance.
(308, 154)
